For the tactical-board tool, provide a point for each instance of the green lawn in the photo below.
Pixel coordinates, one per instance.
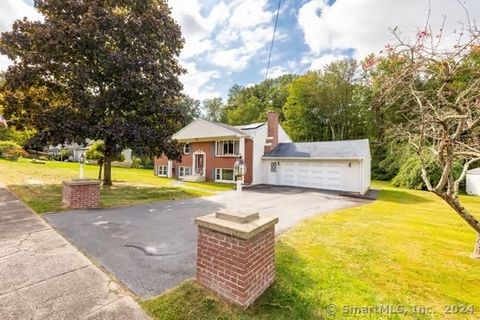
(39, 185)
(406, 249)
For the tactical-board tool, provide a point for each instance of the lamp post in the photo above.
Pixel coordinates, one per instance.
(82, 161)
(239, 170)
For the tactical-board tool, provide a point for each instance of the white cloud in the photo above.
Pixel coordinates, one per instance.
(195, 82)
(319, 62)
(364, 24)
(227, 38)
(195, 28)
(250, 14)
(275, 72)
(11, 10)
(233, 59)
(4, 62)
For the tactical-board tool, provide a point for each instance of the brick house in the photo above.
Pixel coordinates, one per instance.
(211, 149)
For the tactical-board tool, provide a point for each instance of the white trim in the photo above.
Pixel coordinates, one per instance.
(241, 148)
(198, 152)
(228, 155)
(169, 168)
(158, 170)
(314, 158)
(189, 148)
(234, 133)
(184, 171)
(221, 180)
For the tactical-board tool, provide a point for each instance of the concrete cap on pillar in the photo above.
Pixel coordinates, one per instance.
(242, 225)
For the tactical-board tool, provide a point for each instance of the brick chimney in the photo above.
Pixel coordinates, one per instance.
(272, 131)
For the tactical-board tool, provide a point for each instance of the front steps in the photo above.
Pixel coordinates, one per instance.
(193, 178)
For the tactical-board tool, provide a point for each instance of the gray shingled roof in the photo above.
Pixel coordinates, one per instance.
(326, 149)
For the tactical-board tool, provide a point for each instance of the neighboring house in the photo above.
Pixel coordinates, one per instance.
(78, 150)
(211, 149)
(473, 182)
(3, 121)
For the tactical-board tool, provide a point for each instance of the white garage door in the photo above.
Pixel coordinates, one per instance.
(321, 175)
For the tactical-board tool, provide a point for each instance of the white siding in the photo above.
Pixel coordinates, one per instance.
(329, 175)
(473, 184)
(282, 135)
(260, 174)
(259, 139)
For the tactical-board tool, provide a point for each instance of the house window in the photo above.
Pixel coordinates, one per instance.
(186, 148)
(273, 167)
(227, 148)
(183, 171)
(225, 175)
(162, 171)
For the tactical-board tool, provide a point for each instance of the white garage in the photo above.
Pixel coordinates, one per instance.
(331, 165)
(473, 182)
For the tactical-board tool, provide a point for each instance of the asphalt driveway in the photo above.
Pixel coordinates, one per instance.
(151, 248)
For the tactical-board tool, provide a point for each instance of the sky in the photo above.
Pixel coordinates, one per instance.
(228, 41)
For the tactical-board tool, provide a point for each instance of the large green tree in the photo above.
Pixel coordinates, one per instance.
(250, 104)
(190, 109)
(437, 92)
(99, 69)
(214, 109)
(320, 105)
(96, 152)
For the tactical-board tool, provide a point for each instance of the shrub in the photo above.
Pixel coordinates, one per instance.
(142, 162)
(410, 174)
(11, 150)
(388, 159)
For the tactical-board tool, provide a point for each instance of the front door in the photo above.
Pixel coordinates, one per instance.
(199, 164)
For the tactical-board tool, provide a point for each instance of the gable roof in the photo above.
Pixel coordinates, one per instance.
(346, 149)
(203, 129)
(229, 127)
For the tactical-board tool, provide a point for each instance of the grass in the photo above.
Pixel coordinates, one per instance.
(406, 249)
(39, 185)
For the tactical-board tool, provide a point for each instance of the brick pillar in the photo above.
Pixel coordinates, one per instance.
(236, 255)
(81, 194)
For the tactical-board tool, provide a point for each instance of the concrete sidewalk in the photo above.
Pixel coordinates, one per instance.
(42, 276)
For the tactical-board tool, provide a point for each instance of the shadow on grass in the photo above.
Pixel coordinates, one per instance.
(287, 298)
(401, 196)
(48, 198)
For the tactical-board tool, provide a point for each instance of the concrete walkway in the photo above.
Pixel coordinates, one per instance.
(42, 276)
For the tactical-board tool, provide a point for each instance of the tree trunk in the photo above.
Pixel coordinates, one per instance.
(107, 172)
(100, 164)
(471, 220)
(462, 211)
(476, 249)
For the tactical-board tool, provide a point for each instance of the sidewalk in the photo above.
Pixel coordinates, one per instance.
(42, 276)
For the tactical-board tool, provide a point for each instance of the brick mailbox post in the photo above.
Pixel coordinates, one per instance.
(236, 255)
(81, 194)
